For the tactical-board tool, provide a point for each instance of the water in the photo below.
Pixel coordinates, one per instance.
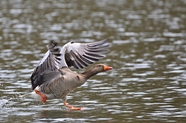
(147, 53)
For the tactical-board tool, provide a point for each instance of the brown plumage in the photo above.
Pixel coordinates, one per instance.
(52, 78)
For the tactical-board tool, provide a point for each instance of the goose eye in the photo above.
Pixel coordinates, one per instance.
(72, 42)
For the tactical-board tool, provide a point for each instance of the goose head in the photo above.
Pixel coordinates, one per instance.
(96, 69)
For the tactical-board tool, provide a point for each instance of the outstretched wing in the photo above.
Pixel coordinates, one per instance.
(80, 55)
(48, 63)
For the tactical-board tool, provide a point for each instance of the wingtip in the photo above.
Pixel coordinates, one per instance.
(106, 39)
(106, 42)
(52, 44)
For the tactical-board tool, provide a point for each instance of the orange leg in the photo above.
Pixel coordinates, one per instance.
(43, 97)
(71, 107)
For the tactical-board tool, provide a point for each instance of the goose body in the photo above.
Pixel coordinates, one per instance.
(52, 78)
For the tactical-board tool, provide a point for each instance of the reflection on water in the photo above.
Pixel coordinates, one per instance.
(147, 53)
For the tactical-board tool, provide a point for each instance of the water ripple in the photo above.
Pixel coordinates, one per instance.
(147, 53)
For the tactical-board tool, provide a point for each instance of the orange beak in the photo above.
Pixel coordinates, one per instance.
(107, 68)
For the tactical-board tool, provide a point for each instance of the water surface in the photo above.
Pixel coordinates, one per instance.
(147, 53)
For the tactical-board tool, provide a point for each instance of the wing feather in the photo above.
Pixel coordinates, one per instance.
(78, 55)
(48, 63)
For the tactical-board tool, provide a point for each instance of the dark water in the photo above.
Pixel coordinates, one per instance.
(148, 54)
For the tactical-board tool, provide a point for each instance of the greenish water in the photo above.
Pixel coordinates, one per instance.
(147, 53)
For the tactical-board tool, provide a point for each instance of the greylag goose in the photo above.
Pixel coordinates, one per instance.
(52, 78)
